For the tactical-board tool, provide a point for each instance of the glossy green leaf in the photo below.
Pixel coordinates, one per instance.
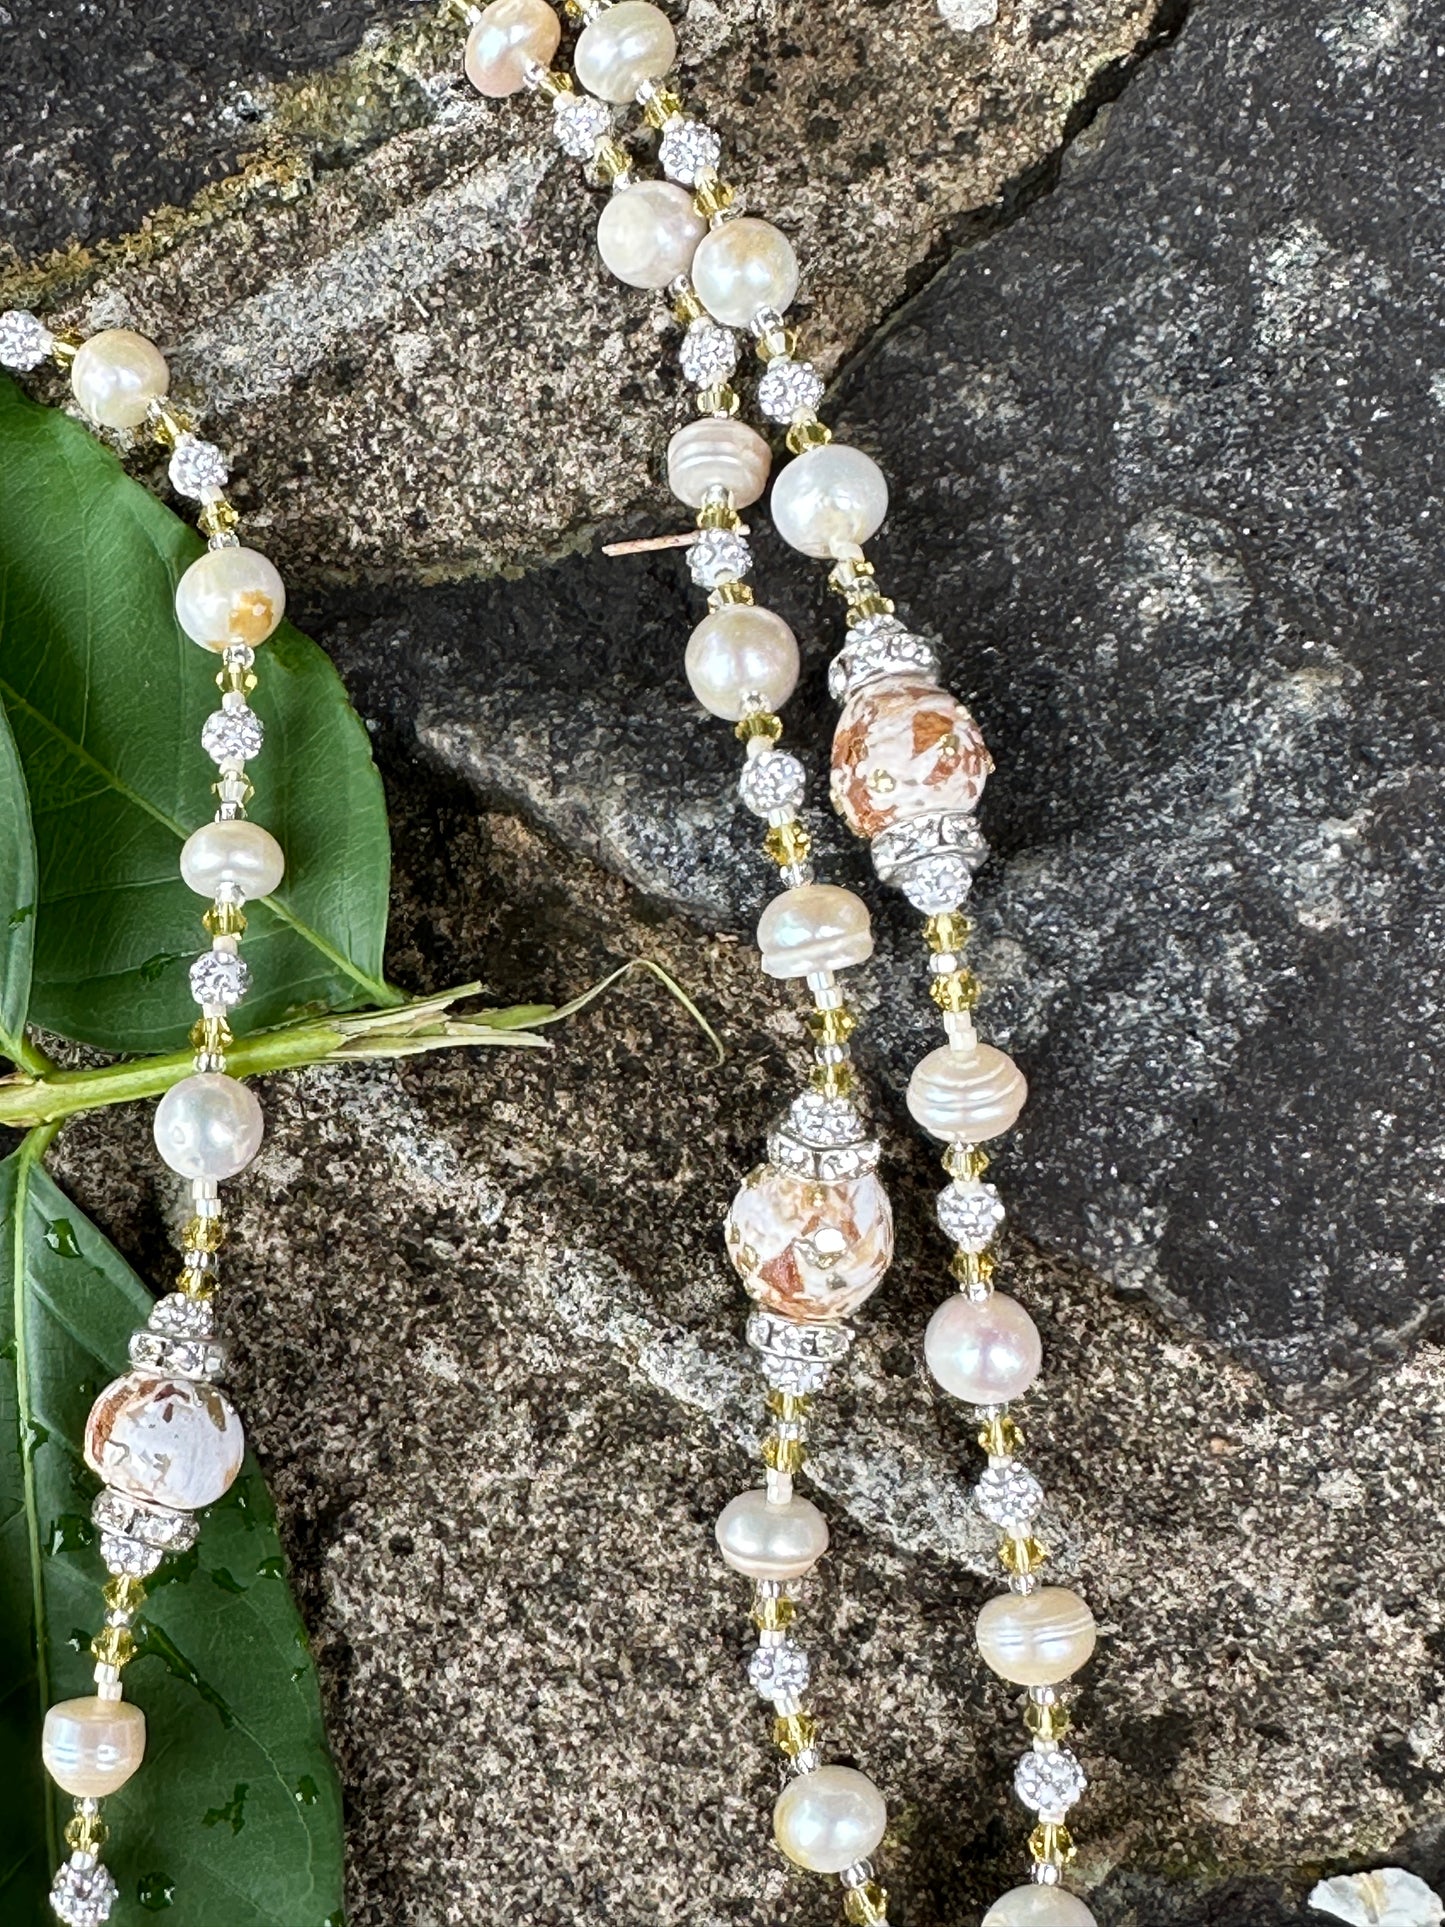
(235, 1819)
(17, 898)
(106, 699)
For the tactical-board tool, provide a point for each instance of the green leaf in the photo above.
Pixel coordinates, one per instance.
(106, 697)
(17, 901)
(236, 1812)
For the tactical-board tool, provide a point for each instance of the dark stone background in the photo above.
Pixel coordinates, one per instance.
(1162, 432)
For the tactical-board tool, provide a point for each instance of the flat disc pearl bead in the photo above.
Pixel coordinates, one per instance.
(173, 1441)
(828, 497)
(967, 1096)
(509, 34)
(816, 926)
(628, 44)
(209, 1126)
(738, 656)
(233, 852)
(764, 1541)
(714, 453)
(986, 1351)
(1036, 1638)
(91, 1747)
(1039, 1907)
(828, 1819)
(646, 234)
(116, 375)
(742, 266)
(230, 596)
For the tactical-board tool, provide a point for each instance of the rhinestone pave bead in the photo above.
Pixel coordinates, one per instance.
(687, 149)
(1050, 1782)
(82, 1895)
(717, 556)
(786, 387)
(578, 123)
(779, 1669)
(25, 340)
(232, 735)
(220, 977)
(772, 781)
(971, 1214)
(197, 468)
(708, 354)
(1009, 1496)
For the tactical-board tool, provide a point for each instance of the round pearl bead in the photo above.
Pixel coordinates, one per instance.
(714, 453)
(509, 34)
(91, 1747)
(742, 266)
(827, 1819)
(232, 852)
(171, 1441)
(230, 596)
(116, 375)
(646, 234)
(209, 1126)
(966, 1096)
(816, 926)
(742, 652)
(771, 1541)
(624, 46)
(1039, 1907)
(984, 1350)
(828, 497)
(1036, 1638)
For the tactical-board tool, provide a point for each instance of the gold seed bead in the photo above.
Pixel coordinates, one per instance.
(218, 518)
(959, 990)
(552, 83)
(788, 843)
(1047, 1722)
(973, 1267)
(947, 931)
(1052, 1844)
(783, 1455)
(611, 160)
(867, 1905)
(663, 105)
(64, 348)
(166, 425)
(225, 920)
(86, 1833)
(843, 579)
(966, 1161)
(720, 399)
(198, 1286)
(833, 1080)
(727, 592)
(794, 1733)
(113, 1646)
(1001, 1438)
(711, 195)
(687, 308)
(782, 342)
(869, 603)
(763, 723)
(203, 1234)
(211, 1034)
(719, 515)
(808, 432)
(124, 1595)
(774, 1615)
(789, 1406)
(1021, 1556)
(834, 1026)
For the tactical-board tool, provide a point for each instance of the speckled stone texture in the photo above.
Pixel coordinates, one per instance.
(1163, 458)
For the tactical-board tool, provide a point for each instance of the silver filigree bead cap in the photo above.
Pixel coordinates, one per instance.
(201, 1358)
(931, 859)
(772, 780)
(687, 149)
(196, 468)
(25, 340)
(783, 1338)
(718, 556)
(879, 646)
(1050, 1783)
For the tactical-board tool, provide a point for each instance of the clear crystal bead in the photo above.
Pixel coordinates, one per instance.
(83, 1893)
(779, 1669)
(774, 780)
(232, 735)
(25, 340)
(1050, 1782)
(687, 148)
(708, 353)
(1009, 1496)
(197, 468)
(719, 555)
(971, 1214)
(579, 122)
(219, 977)
(787, 386)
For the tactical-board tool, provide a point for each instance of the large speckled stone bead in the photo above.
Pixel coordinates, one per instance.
(91, 1747)
(169, 1440)
(810, 1251)
(904, 748)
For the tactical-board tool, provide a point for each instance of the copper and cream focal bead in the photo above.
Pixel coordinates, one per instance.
(646, 235)
(828, 498)
(809, 1251)
(623, 47)
(985, 1350)
(232, 855)
(209, 1126)
(814, 927)
(829, 1819)
(739, 658)
(1036, 1638)
(1039, 1907)
(903, 748)
(116, 375)
(742, 266)
(718, 453)
(173, 1441)
(91, 1747)
(230, 597)
(966, 1096)
(510, 35)
(766, 1540)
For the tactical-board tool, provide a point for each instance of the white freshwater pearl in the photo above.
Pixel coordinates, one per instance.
(624, 46)
(816, 926)
(646, 234)
(237, 853)
(170, 1441)
(967, 1096)
(1036, 1638)
(984, 1350)
(509, 34)
(1039, 1907)
(116, 375)
(716, 453)
(230, 596)
(742, 266)
(741, 651)
(91, 1747)
(209, 1126)
(771, 1541)
(827, 1819)
(827, 497)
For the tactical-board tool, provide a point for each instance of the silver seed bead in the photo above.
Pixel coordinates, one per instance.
(1050, 1782)
(687, 148)
(220, 977)
(197, 468)
(971, 1214)
(232, 735)
(1009, 1496)
(25, 340)
(717, 556)
(786, 388)
(83, 1892)
(708, 354)
(772, 780)
(578, 123)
